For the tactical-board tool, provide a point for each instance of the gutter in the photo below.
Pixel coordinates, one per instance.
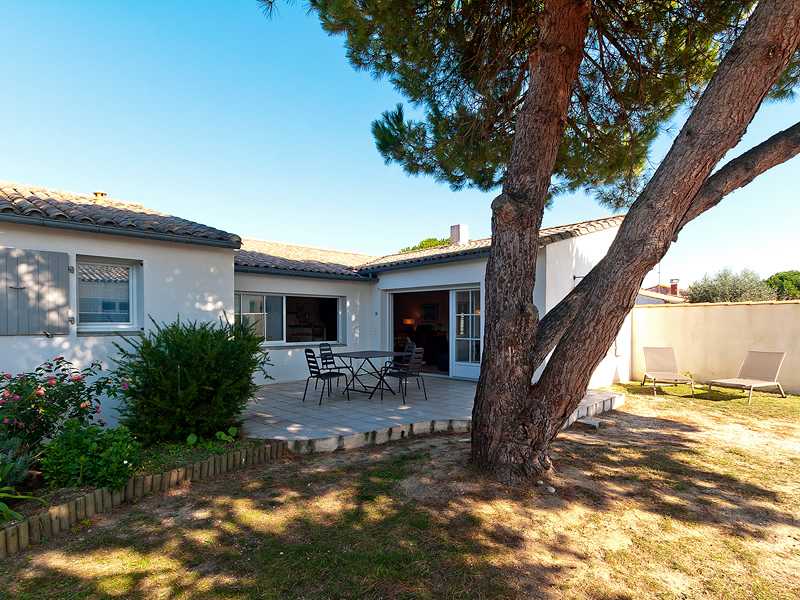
(422, 262)
(105, 229)
(297, 273)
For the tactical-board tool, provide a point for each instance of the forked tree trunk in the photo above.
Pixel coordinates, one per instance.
(511, 317)
(514, 421)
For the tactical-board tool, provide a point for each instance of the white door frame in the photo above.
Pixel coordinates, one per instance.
(455, 371)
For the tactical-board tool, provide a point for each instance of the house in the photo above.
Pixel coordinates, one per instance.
(673, 289)
(78, 270)
(648, 296)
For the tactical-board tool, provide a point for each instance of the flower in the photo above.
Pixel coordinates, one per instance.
(77, 377)
(15, 397)
(84, 404)
(7, 376)
(40, 391)
(124, 385)
(5, 421)
(52, 381)
(97, 409)
(2, 401)
(6, 394)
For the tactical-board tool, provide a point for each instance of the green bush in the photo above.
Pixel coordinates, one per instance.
(727, 286)
(34, 406)
(187, 378)
(786, 284)
(14, 463)
(91, 455)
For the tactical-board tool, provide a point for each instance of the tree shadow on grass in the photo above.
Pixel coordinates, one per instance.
(408, 520)
(343, 533)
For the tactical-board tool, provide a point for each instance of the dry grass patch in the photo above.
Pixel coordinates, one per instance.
(662, 503)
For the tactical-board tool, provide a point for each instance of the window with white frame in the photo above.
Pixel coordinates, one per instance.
(108, 292)
(291, 319)
(468, 326)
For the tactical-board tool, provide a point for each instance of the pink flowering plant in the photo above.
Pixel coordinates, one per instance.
(35, 406)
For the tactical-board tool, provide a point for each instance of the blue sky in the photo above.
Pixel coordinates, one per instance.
(210, 111)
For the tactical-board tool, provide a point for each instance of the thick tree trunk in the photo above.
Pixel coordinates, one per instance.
(510, 316)
(737, 173)
(516, 422)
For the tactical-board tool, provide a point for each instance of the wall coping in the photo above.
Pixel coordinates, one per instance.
(698, 304)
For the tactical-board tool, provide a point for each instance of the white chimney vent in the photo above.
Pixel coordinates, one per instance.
(459, 234)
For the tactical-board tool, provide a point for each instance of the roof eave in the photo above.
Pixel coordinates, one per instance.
(296, 273)
(423, 262)
(136, 233)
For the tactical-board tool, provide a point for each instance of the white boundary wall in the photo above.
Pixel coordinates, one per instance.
(711, 340)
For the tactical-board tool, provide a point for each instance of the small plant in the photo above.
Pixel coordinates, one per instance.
(227, 436)
(187, 378)
(90, 455)
(34, 406)
(14, 463)
(9, 493)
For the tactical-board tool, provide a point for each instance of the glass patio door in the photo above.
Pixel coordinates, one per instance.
(466, 326)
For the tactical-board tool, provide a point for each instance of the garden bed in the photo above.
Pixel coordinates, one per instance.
(70, 507)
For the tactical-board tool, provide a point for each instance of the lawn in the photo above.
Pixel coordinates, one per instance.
(674, 498)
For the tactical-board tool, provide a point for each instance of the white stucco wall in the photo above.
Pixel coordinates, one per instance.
(567, 262)
(288, 360)
(711, 340)
(195, 282)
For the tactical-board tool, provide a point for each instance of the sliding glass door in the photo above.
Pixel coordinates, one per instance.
(466, 328)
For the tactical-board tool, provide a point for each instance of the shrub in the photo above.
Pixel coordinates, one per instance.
(91, 455)
(34, 406)
(187, 378)
(727, 286)
(786, 284)
(14, 463)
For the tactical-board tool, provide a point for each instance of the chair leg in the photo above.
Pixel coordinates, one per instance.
(655, 392)
(403, 389)
(322, 392)
(424, 391)
(750, 396)
(643, 380)
(308, 379)
(783, 394)
(692, 383)
(329, 387)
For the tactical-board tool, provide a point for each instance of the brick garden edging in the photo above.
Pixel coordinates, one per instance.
(58, 520)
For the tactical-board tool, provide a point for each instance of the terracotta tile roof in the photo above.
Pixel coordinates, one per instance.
(258, 255)
(261, 256)
(481, 247)
(668, 298)
(38, 206)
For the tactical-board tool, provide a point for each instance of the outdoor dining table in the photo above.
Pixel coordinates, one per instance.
(366, 368)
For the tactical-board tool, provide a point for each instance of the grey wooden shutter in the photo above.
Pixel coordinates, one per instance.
(34, 292)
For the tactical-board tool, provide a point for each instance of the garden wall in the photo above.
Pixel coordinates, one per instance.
(711, 340)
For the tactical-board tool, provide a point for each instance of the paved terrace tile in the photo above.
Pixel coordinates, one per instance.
(278, 412)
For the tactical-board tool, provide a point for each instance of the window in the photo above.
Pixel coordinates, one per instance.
(468, 326)
(290, 319)
(107, 294)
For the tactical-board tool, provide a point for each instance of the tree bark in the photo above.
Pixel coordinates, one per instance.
(510, 315)
(514, 421)
(716, 125)
(735, 174)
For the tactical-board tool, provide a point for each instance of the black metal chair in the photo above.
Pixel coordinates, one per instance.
(317, 374)
(403, 371)
(408, 350)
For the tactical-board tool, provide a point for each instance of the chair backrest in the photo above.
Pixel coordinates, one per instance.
(415, 362)
(311, 361)
(762, 365)
(326, 356)
(660, 359)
